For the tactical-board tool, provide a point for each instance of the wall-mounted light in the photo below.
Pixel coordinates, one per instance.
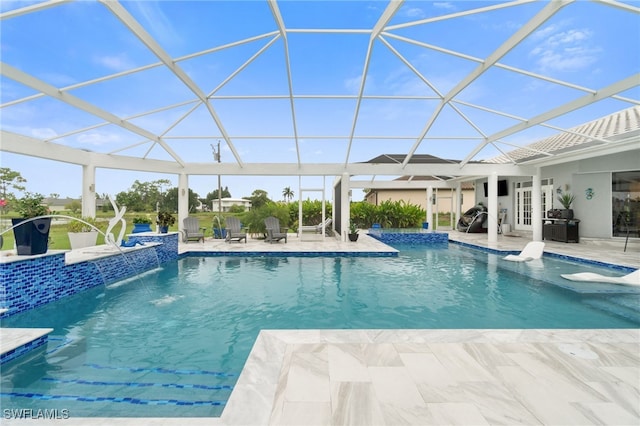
(182, 191)
(92, 187)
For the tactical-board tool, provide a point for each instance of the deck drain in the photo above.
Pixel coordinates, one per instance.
(578, 351)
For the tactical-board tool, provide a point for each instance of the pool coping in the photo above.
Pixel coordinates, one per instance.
(262, 382)
(15, 342)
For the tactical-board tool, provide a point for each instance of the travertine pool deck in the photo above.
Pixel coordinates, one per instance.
(423, 377)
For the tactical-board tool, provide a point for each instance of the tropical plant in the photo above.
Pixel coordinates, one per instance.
(254, 218)
(81, 226)
(141, 219)
(353, 228)
(30, 205)
(566, 199)
(165, 218)
(287, 193)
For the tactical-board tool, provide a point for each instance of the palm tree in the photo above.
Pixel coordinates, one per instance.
(287, 193)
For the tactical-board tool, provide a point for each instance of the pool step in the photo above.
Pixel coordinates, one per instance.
(625, 305)
(97, 388)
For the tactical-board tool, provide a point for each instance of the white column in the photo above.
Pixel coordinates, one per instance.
(536, 207)
(458, 204)
(183, 199)
(492, 221)
(430, 207)
(345, 200)
(89, 191)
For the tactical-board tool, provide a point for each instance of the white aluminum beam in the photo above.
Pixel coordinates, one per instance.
(31, 8)
(24, 145)
(41, 86)
(540, 18)
(275, 11)
(608, 91)
(134, 27)
(384, 19)
(460, 14)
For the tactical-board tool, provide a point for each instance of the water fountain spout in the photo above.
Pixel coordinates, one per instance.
(217, 218)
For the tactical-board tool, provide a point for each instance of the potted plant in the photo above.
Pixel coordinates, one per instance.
(164, 221)
(141, 224)
(566, 199)
(82, 232)
(353, 232)
(32, 236)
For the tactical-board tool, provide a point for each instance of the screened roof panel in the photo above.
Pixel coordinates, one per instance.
(281, 82)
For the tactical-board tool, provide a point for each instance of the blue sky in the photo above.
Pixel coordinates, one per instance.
(587, 44)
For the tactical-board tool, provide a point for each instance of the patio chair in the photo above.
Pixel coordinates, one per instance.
(192, 229)
(533, 250)
(234, 230)
(274, 232)
(318, 228)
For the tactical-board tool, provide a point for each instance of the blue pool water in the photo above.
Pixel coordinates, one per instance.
(173, 342)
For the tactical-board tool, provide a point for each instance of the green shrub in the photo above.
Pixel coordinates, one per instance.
(31, 205)
(254, 218)
(78, 226)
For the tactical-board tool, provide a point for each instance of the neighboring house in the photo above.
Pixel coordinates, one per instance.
(605, 179)
(227, 203)
(444, 197)
(58, 204)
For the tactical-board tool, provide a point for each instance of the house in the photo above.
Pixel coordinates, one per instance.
(227, 203)
(59, 204)
(604, 177)
(443, 197)
(415, 192)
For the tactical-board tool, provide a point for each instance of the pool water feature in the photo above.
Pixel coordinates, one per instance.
(174, 346)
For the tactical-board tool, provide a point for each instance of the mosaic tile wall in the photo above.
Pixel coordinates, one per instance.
(168, 251)
(33, 282)
(21, 350)
(409, 238)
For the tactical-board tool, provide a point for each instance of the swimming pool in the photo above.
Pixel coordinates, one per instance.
(173, 343)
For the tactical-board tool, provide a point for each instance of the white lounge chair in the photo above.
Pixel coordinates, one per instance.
(318, 228)
(629, 279)
(533, 250)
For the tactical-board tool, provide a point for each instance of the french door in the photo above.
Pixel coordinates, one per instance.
(524, 201)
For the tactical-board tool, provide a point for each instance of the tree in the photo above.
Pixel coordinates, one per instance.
(287, 193)
(214, 195)
(144, 196)
(75, 206)
(170, 201)
(9, 179)
(259, 198)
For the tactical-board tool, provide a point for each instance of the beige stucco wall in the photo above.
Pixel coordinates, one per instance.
(419, 197)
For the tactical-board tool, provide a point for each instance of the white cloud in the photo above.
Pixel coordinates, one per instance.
(415, 12)
(156, 22)
(444, 5)
(563, 50)
(353, 84)
(43, 133)
(115, 63)
(97, 139)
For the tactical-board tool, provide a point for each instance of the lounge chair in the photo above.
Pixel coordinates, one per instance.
(318, 228)
(234, 230)
(533, 250)
(629, 279)
(192, 229)
(274, 232)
